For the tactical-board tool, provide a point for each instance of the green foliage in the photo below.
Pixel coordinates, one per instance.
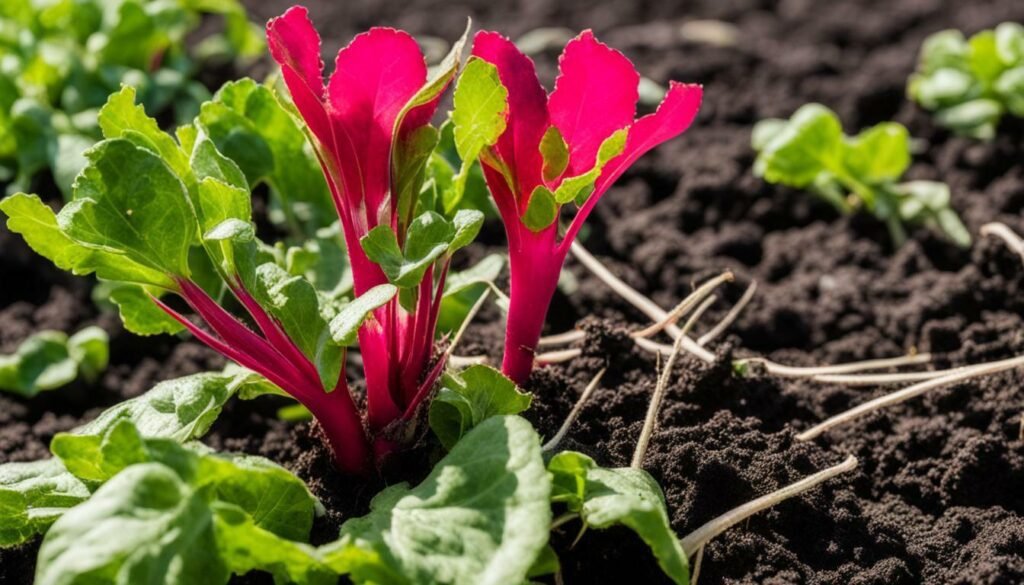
(482, 516)
(810, 151)
(463, 289)
(625, 496)
(478, 120)
(430, 237)
(62, 58)
(252, 127)
(470, 397)
(50, 359)
(33, 495)
(971, 84)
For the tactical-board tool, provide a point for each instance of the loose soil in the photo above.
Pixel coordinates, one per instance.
(939, 494)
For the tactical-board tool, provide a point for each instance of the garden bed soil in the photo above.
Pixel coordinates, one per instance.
(939, 493)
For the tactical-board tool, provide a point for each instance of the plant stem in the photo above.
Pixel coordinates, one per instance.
(697, 539)
(574, 413)
(908, 393)
(633, 297)
(534, 272)
(659, 390)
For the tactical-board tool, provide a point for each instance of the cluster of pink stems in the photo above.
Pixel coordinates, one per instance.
(357, 121)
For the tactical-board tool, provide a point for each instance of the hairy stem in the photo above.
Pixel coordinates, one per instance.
(696, 540)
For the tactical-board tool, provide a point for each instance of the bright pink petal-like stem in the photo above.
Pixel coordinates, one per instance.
(336, 411)
(534, 267)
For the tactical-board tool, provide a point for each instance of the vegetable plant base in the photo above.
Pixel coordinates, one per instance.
(939, 494)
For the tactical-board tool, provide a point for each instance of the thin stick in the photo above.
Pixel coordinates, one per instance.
(908, 393)
(730, 317)
(847, 368)
(562, 338)
(633, 297)
(558, 356)
(684, 306)
(465, 324)
(659, 389)
(574, 413)
(884, 379)
(1003, 232)
(697, 539)
(696, 566)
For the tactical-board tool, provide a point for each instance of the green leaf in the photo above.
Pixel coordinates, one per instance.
(246, 547)
(170, 527)
(555, 153)
(468, 398)
(880, 153)
(32, 496)
(976, 118)
(624, 496)
(252, 127)
(579, 187)
(479, 118)
(49, 360)
(139, 313)
(428, 238)
(90, 349)
(481, 516)
(122, 118)
(208, 162)
(541, 210)
(127, 201)
(296, 305)
(928, 202)
(810, 143)
(181, 409)
(30, 217)
(345, 325)
(463, 289)
(467, 224)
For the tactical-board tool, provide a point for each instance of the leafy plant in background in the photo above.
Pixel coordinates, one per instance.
(971, 84)
(50, 359)
(60, 59)
(540, 153)
(810, 151)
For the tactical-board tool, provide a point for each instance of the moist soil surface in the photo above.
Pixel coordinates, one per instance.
(939, 493)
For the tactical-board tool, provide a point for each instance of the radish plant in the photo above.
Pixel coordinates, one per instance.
(171, 216)
(810, 151)
(971, 84)
(541, 153)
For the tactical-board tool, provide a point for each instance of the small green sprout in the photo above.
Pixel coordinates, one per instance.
(811, 151)
(971, 84)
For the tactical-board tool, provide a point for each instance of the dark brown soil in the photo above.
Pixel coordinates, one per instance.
(939, 494)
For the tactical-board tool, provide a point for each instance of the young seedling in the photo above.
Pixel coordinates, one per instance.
(971, 84)
(542, 153)
(810, 151)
